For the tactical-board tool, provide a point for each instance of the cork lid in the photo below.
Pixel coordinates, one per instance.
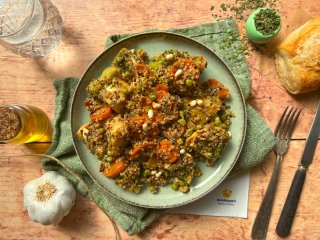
(10, 124)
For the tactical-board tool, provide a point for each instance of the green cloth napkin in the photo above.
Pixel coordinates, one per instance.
(222, 37)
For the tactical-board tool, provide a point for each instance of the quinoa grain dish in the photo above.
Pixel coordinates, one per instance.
(152, 120)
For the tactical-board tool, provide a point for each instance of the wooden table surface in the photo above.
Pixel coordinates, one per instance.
(87, 25)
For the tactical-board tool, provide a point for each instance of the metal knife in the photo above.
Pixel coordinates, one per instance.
(287, 215)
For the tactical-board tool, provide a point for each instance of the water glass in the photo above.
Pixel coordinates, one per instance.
(30, 28)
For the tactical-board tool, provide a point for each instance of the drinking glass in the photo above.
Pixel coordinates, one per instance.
(30, 28)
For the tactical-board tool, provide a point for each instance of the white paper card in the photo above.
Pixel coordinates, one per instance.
(229, 199)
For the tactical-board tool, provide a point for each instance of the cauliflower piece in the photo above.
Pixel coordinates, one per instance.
(117, 134)
(115, 94)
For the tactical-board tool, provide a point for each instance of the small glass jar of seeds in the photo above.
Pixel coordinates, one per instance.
(23, 124)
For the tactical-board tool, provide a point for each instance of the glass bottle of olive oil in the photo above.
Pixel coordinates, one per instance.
(23, 124)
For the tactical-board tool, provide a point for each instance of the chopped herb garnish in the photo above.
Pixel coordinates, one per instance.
(267, 21)
(239, 10)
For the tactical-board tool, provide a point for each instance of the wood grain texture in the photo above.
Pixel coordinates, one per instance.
(87, 25)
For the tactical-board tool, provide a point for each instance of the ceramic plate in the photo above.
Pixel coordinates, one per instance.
(155, 43)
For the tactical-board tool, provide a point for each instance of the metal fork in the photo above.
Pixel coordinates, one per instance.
(283, 133)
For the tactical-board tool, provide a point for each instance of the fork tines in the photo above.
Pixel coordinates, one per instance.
(288, 121)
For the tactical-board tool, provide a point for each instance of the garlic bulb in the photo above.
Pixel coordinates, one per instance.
(48, 198)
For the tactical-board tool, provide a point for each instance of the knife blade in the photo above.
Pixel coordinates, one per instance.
(287, 215)
(312, 141)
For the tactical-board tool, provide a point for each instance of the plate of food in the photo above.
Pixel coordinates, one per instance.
(158, 120)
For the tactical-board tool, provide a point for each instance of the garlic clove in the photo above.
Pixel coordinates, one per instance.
(66, 203)
(32, 212)
(48, 214)
(28, 194)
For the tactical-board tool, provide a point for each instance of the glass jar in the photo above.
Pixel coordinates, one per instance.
(23, 124)
(30, 28)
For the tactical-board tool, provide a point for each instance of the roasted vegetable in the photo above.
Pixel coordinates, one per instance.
(208, 142)
(115, 94)
(117, 134)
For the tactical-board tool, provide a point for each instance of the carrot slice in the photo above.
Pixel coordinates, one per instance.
(162, 87)
(101, 114)
(214, 82)
(161, 94)
(184, 63)
(143, 69)
(222, 92)
(115, 169)
(180, 64)
(140, 148)
(139, 119)
(167, 151)
(162, 90)
(136, 151)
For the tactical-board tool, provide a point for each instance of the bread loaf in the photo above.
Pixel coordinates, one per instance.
(298, 58)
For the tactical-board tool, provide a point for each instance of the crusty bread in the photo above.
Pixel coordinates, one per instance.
(298, 58)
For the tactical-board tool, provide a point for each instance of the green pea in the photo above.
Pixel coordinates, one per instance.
(101, 130)
(189, 82)
(175, 186)
(109, 151)
(224, 117)
(146, 173)
(184, 189)
(188, 132)
(126, 74)
(153, 97)
(181, 114)
(182, 122)
(181, 183)
(126, 91)
(155, 65)
(109, 159)
(224, 126)
(199, 126)
(180, 141)
(197, 62)
(217, 121)
(153, 189)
